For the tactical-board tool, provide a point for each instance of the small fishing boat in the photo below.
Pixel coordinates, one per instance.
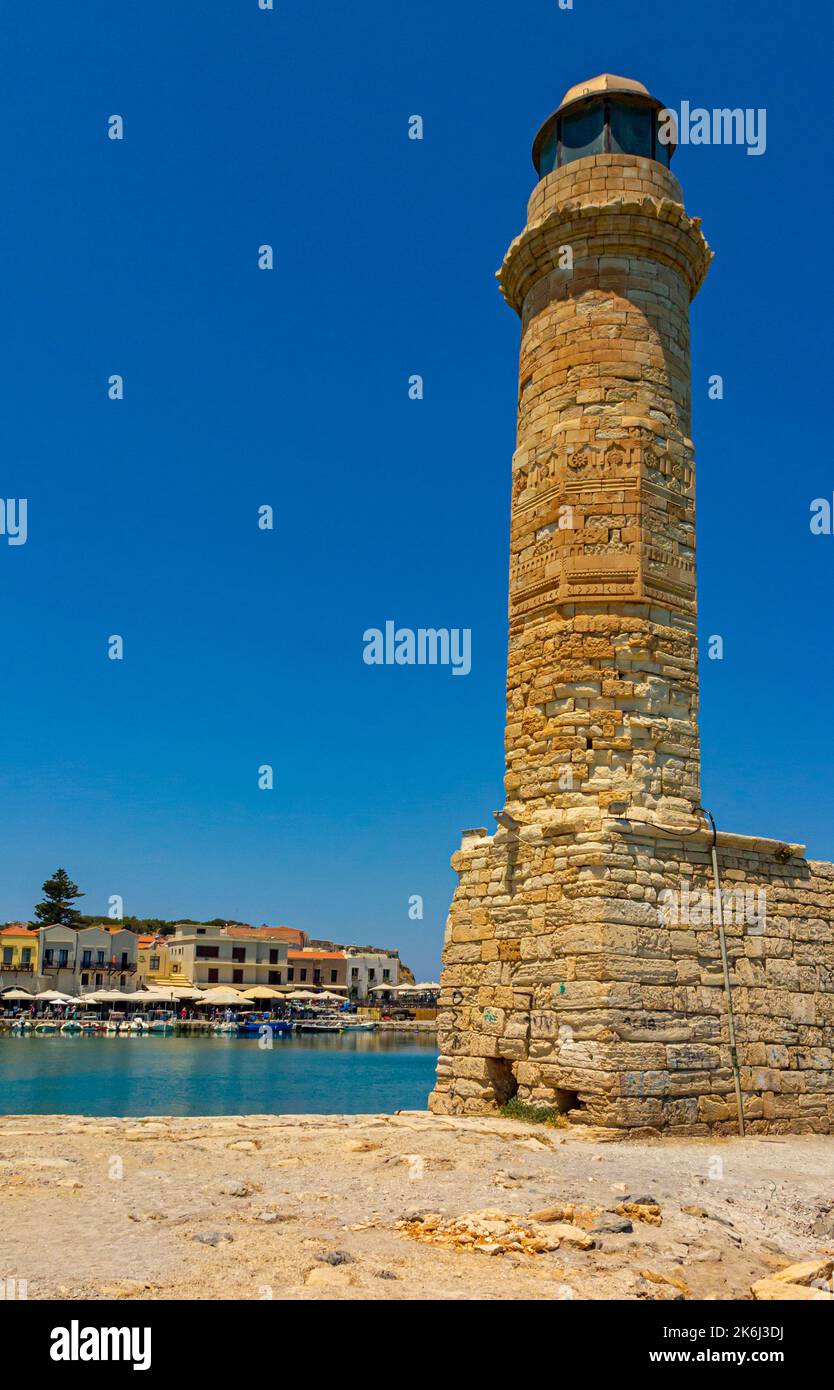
(137, 1025)
(21, 1026)
(329, 1024)
(359, 1025)
(228, 1025)
(161, 1021)
(89, 1023)
(47, 1025)
(71, 1026)
(253, 1025)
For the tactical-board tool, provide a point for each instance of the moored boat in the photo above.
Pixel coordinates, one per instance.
(161, 1021)
(253, 1025)
(329, 1024)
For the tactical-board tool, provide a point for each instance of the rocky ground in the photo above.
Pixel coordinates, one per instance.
(408, 1206)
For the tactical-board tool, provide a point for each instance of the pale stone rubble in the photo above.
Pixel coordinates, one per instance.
(565, 980)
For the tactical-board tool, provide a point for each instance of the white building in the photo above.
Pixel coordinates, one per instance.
(367, 969)
(81, 960)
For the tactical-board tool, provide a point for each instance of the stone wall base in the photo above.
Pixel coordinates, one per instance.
(582, 971)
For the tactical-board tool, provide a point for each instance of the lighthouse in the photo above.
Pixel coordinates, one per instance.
(568, 983)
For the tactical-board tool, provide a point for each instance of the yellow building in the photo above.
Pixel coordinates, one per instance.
(18, 953)
(153, 963)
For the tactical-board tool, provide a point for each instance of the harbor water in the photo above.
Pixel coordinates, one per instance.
(163, 1075)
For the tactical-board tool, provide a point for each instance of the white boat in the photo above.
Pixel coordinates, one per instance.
(47, 1025)
(331, 1024)
(161, 1021)
(137, 1025)
(71, 1026)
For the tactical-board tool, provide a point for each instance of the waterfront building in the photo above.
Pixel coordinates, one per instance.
(75, 960)
(204, 955)
(317, 969)
(19, 945)
(366, 970)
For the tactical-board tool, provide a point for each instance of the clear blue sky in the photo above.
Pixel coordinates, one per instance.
(242, 387)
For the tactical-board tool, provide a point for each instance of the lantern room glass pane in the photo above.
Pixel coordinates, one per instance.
(582, 133)
(549, 149)
(631, 129)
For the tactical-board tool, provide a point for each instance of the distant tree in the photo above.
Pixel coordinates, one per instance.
(56, 908)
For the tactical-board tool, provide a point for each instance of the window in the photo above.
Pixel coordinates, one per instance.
(175, 969)
(63, 955)
(290, 974)
(201, 931)
(98, 980)
(86, 957)
(631, 129)
(273, 957)
(208, 952)
(153, 963)
(237, 977)
(316, 977)
(85, 979)
(26, 956)
(334, 975)
(124, 957)
(239, 953)
(274, 977)
(371, 973)
(99, 958)
(386, 975)
(617, 124)
(7, 955)
(212, 975)
(582, 133)
(302, 974)
(47, 956)
(354, 973)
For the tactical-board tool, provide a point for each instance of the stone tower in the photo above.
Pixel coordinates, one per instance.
(563, 982)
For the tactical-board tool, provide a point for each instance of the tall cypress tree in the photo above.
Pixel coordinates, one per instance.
(56, 908)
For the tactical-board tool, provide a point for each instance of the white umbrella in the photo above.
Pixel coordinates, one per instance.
(172, 994)
(17, 994)
(262, 992)
(223, 995)
(301, 994)
(103, 996)
(54, 995)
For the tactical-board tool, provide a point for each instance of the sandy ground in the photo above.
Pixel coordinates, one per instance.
(306, 1207)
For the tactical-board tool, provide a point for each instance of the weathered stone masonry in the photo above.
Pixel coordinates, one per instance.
(564, 979)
